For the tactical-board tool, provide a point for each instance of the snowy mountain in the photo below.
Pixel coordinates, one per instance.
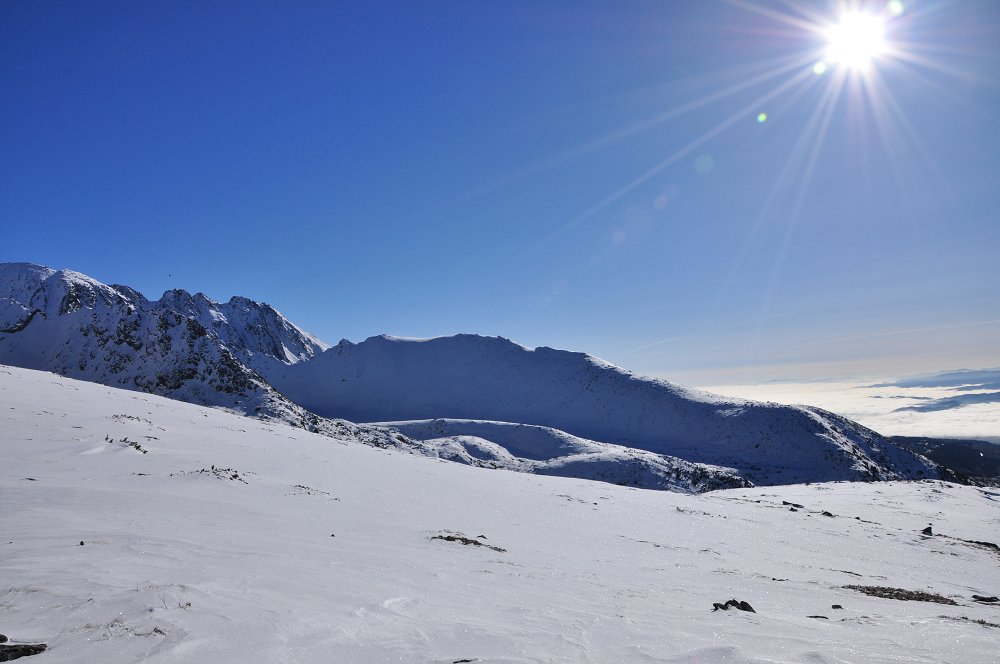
(191, 348)
(491, 378)
(142, 529)
(182, 346)
(245, 356)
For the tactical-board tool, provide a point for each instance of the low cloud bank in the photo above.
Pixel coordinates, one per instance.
(959, 380)
(967, 387)
(958, 404)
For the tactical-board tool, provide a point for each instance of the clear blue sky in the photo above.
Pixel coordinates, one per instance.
(583, 175)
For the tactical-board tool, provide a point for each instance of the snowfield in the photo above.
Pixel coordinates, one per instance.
(140, 529)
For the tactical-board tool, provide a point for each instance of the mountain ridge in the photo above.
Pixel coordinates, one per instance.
(182, 345)
(492, 378)
(246, 356)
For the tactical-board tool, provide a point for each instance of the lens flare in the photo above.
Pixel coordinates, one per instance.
(844, 59)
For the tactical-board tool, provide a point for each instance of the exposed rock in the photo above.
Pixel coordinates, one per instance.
(984, 623)
(901, 594)
(736, 604)
(8, 653)
(467, 541)
(182, 346)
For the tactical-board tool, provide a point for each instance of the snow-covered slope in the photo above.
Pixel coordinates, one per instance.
(533, 449)
(227, 539)
(491, 378)
(246, 356)
(191, 348)
(183, 346)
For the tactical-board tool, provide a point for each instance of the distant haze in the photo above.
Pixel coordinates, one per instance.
(914, 407)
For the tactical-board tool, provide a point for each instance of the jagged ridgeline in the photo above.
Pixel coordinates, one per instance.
(183, 346)
(495, 403)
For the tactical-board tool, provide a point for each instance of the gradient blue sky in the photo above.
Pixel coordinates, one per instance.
(583, 175)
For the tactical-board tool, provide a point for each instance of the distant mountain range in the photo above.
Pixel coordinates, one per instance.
(972, 461)
(484, 401)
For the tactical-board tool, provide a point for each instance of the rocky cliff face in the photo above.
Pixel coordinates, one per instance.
(183, 346)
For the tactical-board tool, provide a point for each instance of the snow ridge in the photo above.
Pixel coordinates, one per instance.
(468, 377)
(546, 451)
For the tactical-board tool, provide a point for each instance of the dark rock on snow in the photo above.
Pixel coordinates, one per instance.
(8, 653)
(736, 604)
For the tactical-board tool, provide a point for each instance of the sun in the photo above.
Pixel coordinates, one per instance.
(856, 41)
(842, 55)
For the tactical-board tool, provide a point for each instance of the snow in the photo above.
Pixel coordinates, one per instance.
(491, 378)
(546, 451)
(184, 346)
(245, 356)
(323, 550)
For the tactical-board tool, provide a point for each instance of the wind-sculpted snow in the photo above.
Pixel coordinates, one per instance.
(226, 539)
(546, 451)
(490, 378)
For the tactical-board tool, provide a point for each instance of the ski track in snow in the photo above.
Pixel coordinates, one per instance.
(321, 550)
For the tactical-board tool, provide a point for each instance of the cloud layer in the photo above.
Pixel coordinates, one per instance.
(962, 404)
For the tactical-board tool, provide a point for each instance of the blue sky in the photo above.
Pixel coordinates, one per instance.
(583, 175)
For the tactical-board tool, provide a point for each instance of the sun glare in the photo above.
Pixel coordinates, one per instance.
(856, 40)
(846, 57)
